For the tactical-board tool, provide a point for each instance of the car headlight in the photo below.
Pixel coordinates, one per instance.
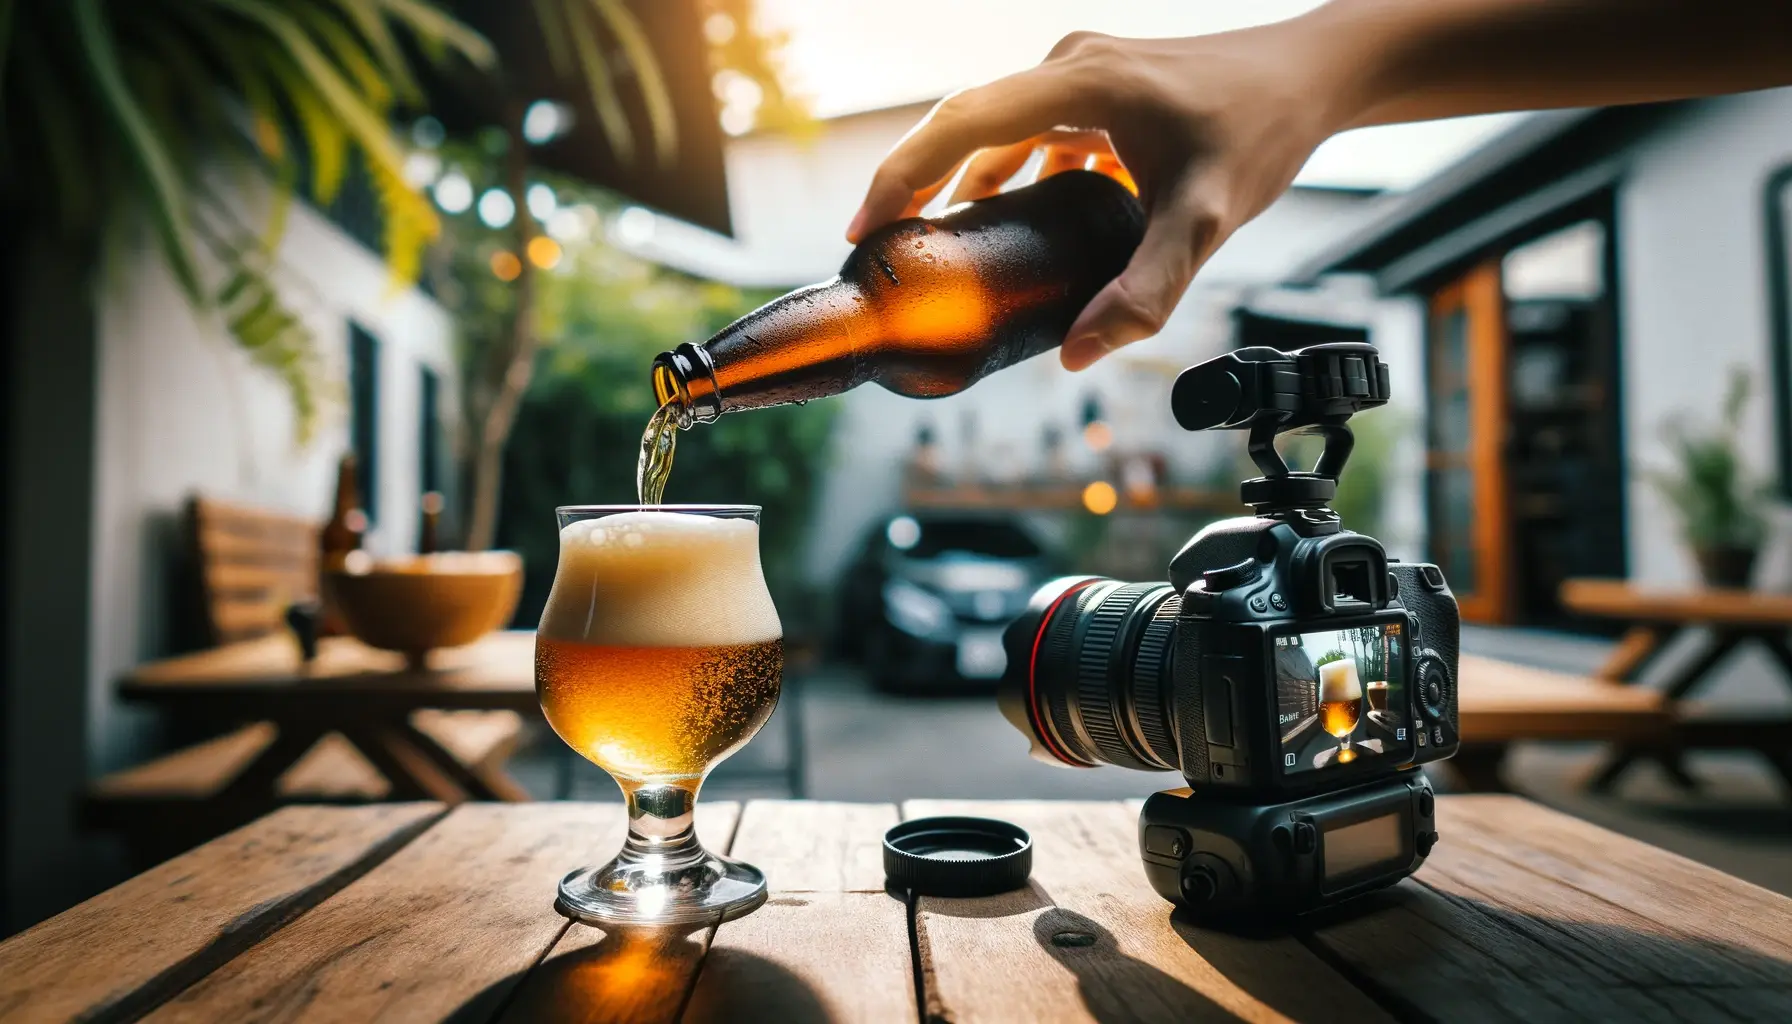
(915, 611)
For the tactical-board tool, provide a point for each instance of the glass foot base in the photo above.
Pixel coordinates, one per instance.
(643, 892)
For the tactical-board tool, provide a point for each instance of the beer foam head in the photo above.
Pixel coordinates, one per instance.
(1338, 681)
(660, 579)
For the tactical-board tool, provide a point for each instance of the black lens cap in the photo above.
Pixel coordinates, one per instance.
(957, 856)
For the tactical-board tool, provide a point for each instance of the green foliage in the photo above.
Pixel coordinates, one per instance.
(604, 316)
(111, 106)
(1328, 657)
(1721, 505)
(1372, 652)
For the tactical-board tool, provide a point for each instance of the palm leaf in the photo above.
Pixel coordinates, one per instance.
(554, 30)
(610, 115)
(654, 93)
(166, 192)
(369, 20)
(324, 134)
(349, 53)
(439, 33)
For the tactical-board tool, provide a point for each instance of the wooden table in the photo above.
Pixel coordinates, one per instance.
(404, 912)
(1656, 616)
(365, 695)
(1501, 703)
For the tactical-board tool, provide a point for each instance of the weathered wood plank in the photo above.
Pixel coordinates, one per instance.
(590, 976)
(830, 944)
(1089, 940)
(130, 948)
(1525, 913)
(443, 930)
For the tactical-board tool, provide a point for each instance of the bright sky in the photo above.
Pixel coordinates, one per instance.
(850, 55)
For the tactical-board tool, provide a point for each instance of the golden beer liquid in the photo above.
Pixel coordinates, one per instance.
(657, 714)
(1339, 717)
(658, 444)
(1378, 696)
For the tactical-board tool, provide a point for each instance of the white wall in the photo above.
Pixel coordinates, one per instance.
(182, 411)
(1693, 294)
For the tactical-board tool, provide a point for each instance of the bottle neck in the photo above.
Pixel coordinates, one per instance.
(793, 349)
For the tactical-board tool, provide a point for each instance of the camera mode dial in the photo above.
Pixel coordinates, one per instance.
(1433, 681)
(1231, 576)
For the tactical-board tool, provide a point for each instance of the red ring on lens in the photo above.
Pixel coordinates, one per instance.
(1040, 728)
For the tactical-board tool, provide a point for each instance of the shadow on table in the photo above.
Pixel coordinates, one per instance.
(1116, 987)
(1423, 952)
(645, 977)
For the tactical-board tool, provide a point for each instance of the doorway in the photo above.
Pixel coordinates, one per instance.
(1526, 484)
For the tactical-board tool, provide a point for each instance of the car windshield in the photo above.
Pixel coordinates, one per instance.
(974, 536)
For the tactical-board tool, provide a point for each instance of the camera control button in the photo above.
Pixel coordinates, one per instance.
(1306, 837)
(1259, 605)
(1427, 805)
(1278, 602)
(1231, 576)
(1427, 840)
(1283, 839)
(1432, 576)
(1163, 841)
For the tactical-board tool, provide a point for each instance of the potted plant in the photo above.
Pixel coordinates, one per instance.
(1722, 506)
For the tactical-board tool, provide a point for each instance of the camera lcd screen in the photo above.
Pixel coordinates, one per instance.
(1354, 848)
(1341, 697)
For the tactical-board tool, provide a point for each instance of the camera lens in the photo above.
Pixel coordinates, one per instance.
(1089, 673)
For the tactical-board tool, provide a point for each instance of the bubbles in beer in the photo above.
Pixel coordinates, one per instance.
(660, 651)
(658, 443)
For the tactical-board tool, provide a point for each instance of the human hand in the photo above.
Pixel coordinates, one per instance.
(1211, 128)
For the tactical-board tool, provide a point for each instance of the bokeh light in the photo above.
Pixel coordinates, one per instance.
(544, 252)
(1100, 498)
(496, 208)
(505, 265)
(542, 201)
(453, 192)
(1098, 436)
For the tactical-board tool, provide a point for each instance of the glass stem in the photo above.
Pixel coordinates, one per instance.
(661, 823)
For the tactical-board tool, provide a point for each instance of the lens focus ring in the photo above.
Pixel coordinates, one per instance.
(1095, 688)
(1151, 681)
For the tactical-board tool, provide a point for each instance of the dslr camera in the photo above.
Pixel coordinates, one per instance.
(1290, 671)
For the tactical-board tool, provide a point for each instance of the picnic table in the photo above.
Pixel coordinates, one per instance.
(1658, 616)
(417, 912)
(367, 696)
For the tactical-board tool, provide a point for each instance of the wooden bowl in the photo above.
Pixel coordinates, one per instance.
(414, 605)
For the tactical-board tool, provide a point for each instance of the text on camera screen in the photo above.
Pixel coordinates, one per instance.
(1341, 696)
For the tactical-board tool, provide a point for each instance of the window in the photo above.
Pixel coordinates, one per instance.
(429, 438)
(364, 415)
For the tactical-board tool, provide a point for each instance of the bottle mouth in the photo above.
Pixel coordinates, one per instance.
(686, 378)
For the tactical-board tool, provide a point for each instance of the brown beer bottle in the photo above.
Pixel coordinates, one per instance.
(925, 307)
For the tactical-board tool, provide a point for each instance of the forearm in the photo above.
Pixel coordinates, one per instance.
(1413, 60)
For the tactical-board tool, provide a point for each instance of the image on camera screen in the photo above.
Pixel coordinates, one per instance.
(1341, 696)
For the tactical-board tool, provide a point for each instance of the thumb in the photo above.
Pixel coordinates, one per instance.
(1135, 305)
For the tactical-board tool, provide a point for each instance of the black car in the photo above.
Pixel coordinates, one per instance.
(924, 603)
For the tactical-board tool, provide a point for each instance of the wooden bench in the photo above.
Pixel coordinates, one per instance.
(250, 566)
(1502, 703)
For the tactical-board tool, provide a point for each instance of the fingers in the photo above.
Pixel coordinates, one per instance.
(1135, 305)
(1007, 111)
(990, 169)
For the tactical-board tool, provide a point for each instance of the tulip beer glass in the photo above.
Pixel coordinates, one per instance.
(659, 654)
